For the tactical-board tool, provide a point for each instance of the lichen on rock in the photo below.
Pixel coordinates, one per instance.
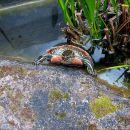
(102, 106)
(56, 94)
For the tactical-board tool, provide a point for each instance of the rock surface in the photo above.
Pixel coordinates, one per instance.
(57, 98)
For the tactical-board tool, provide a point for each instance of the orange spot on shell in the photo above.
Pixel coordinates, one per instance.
(56, 59)
(76, 61)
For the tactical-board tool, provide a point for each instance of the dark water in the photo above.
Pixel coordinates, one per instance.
(12, 2)
(29, 33)
(8, 2)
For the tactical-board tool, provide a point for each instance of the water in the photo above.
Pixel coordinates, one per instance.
(29, 32)
(112, 76)
(31, 52)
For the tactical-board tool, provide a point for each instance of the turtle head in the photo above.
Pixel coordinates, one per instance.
(89, 64)
(43, 59)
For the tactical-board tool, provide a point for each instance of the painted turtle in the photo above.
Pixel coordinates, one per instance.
(67, 55)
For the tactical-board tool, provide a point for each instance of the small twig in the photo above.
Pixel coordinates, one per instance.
(123, 24)
(122, 75)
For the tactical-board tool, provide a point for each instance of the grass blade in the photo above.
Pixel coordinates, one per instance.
(115, 67)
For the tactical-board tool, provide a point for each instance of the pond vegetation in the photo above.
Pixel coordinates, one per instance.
(103, 23)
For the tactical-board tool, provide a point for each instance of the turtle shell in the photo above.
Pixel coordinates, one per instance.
(70, 51)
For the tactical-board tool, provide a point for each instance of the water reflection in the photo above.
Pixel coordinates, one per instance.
(111, 76)
(29, 32)
(31, 52)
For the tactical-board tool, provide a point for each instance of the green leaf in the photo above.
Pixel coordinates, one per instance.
(105, 4)
(73, 10)
(115, 67)
(68, 17)
(114, 5)
(62, 6)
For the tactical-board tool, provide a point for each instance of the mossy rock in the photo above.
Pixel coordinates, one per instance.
(102, 106)
(12, 70)
(56, 94)
(60, 115)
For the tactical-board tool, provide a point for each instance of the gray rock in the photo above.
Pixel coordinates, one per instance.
(54, 98)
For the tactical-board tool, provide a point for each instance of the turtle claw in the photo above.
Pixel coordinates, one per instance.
(38, 60)
(35, 63)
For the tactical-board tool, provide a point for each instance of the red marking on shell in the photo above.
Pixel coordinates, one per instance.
(56, 59)
(76, 61)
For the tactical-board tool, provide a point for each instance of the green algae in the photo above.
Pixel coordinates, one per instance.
(102, 106)
(66, 96)
(60, 115)
(12, 70)
(56, 94)
(21, 71)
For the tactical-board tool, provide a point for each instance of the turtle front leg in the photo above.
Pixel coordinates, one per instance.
(43, 59)
(90, 68)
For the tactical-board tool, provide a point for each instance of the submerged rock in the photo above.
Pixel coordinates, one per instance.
(57, 98)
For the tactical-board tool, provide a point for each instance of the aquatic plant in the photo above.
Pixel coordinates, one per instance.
(64, 6)
(115, 67)
(106, 22)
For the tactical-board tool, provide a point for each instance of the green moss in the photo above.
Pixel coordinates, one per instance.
(60, 115)
(127, 84)
(58, 95)
(55, 95)
(12, 70)
(102, 106)
(33, 73)
(21, 71)
(1, 73)
(66, 96)
(49, 105)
